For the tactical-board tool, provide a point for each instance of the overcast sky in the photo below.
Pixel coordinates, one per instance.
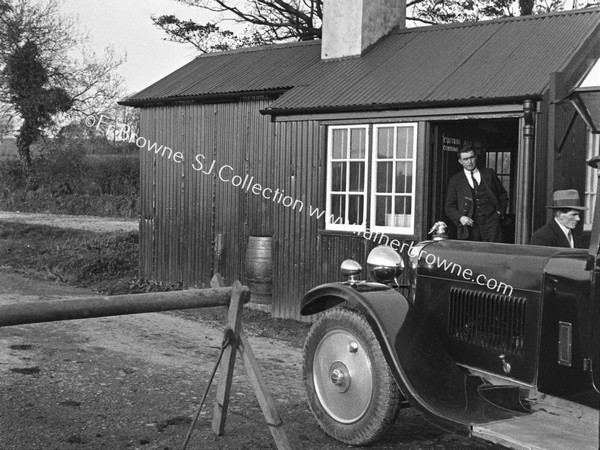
(126, 25)
(593, 79)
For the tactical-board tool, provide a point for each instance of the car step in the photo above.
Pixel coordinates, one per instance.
(541, 430)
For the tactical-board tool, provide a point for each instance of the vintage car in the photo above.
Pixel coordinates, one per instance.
(497, 341)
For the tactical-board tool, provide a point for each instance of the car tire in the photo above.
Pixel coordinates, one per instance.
(349, 387)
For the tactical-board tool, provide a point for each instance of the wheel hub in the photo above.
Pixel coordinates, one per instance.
(340, 376)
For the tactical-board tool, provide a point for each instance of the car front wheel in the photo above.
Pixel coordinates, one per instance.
(349, 387)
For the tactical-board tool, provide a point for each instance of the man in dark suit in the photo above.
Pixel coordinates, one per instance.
(476, 200)
(558, 232)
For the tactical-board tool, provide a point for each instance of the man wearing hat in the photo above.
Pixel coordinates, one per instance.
(558, 232)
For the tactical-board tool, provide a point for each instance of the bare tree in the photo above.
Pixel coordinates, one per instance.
(93, 82)
(40, 80)
(264, 21)
(207, 38)
(258, 22)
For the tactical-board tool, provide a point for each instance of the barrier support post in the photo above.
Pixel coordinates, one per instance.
(264, 399)
(234, 319)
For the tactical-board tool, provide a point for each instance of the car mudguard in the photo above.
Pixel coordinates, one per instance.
(419, 357)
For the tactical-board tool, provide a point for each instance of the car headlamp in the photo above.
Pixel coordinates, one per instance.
(384, 264)
(350, 269)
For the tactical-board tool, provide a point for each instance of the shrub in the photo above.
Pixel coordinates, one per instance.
(11, 175)
(115, 174)
(73, 181)
(61, 167)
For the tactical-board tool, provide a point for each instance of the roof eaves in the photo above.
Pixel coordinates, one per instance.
(202, 98)
(399, 106)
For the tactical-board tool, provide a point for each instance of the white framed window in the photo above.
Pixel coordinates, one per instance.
(386, 202)
(393, 178)
(346, 207)
(591, 180)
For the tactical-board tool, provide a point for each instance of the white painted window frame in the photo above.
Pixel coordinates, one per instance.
(369, 188)
(331, 222)
(395, 230)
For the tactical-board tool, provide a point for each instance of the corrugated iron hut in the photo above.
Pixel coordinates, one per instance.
(314, 152)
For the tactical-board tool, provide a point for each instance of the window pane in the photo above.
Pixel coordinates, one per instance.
(404, 177)
(403, 205)
(385, 143)
(338, 176)
(403, 218)
(506, 162)
(500, 162)
(405, 142)
(355, 209)
(337, 206)
(357, 142)
(384, 176)
(357, 176)
(339, 144)
(384, 216)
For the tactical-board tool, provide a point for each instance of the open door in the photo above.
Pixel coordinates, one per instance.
(593, 265)
(498, 143)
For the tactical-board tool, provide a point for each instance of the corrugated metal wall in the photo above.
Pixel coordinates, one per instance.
(176, 202)
(196, 222)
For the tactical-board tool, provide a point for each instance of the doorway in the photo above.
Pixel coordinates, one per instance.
(497, 143)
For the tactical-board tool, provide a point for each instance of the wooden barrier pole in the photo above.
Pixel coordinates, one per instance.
(218, 295)
(114, 305)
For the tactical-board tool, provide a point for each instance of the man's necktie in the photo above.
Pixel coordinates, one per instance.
(475, 184)
(571, 243)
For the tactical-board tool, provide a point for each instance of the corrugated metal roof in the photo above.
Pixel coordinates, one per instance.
(501, 59)
(267, 68)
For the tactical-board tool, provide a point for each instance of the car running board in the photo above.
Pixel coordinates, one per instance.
(540, 431)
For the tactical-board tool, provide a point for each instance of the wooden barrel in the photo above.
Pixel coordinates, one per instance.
(259, 269)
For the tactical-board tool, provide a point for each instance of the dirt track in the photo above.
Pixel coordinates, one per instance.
(124, 382)
(90, 223)
(135, 382)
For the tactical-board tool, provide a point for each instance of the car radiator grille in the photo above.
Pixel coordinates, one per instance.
(491, 321)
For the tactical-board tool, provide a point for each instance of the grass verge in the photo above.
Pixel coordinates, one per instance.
(104, 262)
(108, 263)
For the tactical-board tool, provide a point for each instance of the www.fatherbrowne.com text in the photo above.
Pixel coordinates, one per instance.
(434, 260)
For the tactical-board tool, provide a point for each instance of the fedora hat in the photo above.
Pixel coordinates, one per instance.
(567, 199)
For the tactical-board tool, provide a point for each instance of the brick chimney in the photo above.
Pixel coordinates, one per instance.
(351, 26)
